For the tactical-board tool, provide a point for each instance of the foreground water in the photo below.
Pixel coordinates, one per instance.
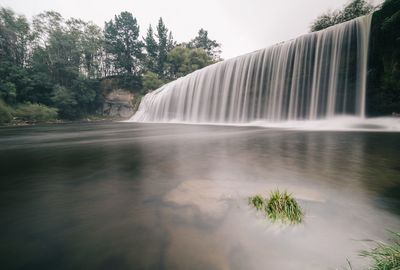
(151, 196)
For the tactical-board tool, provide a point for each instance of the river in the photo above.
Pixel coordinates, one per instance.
(173, 196)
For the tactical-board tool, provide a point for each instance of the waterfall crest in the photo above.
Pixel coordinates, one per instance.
(316, 76)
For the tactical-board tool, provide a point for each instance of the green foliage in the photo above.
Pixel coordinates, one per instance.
(8, 92)
(151, 47)
(136, 101)
(14, 37)
(257, 201)
(151, 81)
(35, 113)
(283, 207)
(157, 48)
(60, 62)
(280, 206)
(121, 41)
(182, 61)
(5, 113)
(385, 256)
(384, 63)
(211, 47)
(65, 100)
(162, 35)
(354, 9)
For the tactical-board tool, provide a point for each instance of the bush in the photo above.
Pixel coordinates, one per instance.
(151, 81)
(35, 112)
(5, 113)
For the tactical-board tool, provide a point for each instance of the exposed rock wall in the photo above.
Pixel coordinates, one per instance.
(383, 87)
(119, 103)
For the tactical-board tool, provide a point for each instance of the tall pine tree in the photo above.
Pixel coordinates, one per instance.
(121, 41)
(151, 47)
(202, 41)
(165, 44)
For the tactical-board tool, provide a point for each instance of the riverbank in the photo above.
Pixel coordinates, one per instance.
(87, 119)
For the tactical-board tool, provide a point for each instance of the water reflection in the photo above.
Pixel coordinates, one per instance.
(123, 196)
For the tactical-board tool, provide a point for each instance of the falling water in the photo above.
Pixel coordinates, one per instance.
(316, 76)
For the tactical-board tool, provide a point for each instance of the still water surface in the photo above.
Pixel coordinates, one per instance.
(165, 196)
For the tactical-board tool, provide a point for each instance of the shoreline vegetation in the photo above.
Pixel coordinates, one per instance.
(64, 68)
(384, 256)
(88, 119)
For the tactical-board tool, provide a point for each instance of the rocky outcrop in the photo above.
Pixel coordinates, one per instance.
(383, 87)
(119, 103)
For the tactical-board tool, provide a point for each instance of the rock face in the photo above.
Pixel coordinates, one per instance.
(383, 87)
(119, 103)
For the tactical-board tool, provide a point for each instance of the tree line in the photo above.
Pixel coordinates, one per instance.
(52, 67)
(354, 9)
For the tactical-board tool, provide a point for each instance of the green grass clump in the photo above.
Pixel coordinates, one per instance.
(257, 201)
(281, 206)
(385, 256)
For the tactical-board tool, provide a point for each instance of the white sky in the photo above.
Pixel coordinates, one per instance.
(240, 26)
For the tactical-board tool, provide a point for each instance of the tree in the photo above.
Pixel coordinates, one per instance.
(157, 48)
(354, 9)
(65, 101)
(170, 43)
(163, 47)
(121, 41)
(183, 60)
(44, 24)
(54, 65)
(87, 40)
(56, 47)
(14, 37)
(151, 47)
(202, 41)
(151, 81)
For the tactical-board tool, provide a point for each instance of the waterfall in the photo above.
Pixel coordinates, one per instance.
(316, 76)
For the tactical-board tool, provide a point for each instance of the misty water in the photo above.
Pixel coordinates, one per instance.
(170, 196)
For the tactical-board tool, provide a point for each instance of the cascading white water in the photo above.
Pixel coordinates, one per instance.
(316, 76)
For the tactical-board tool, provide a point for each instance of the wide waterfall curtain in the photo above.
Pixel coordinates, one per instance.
(316, 76)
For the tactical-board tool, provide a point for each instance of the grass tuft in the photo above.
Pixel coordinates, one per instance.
(385, 256)
(257, 201)
(281, 206)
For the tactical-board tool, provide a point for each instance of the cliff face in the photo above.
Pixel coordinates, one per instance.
(118, 102)
(383, 88)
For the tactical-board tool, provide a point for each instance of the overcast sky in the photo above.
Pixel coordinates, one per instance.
(240, 26)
